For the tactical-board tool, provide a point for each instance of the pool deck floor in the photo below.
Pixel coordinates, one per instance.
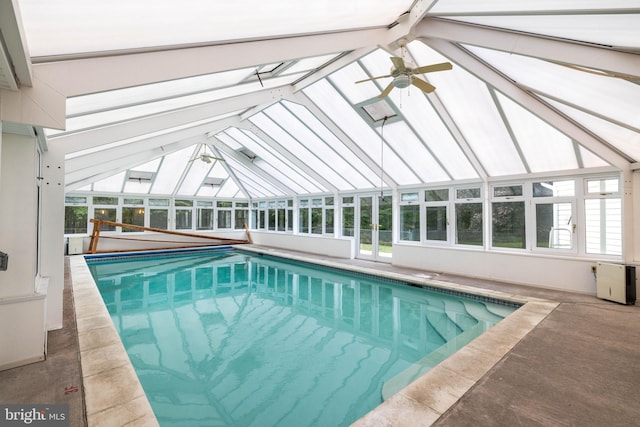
(578, 366)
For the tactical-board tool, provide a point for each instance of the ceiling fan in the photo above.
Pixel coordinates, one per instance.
(404, 76)
(205, 157)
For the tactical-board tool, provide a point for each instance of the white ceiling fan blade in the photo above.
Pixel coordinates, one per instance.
(398, 63)
(431, 68)
(373, 78)
(386, 91)
(422, 85)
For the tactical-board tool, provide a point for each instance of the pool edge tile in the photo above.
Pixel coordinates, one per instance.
(96, 334)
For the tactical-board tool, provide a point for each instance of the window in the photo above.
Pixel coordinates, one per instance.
(410, 217)
(436, 214)
(204, 215)
(184, 214)
(303, 217)
(508, 217)
(289, 215)
(106, 214)
(159, 213)
(133, 216)
(328, 215)
(469, 220)
(159, 218)
(316, 216)
(603, 217)
(224, 214)
(348, 216)
(271, 214)
(75, 215)
(97, 200)
(241, 215)
(281, 215)
(553, 201)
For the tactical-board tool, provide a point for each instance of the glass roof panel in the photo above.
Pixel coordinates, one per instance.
(345, 80)
(401, 139)
(229, 141)
(358, 170)
(196, 171)
(112, 184)
(590, 160)
(218, 172)
(544, 147)
(172, 167)
(607, 96)
(282, 171)
(617, 30)
(151, 166)
(285, 172)
(255, 184)
(136, 187)
(277, 127)
(426, 122)
(229, 189)
(72, 26)
(464, 96)
(624, 139)
(502, 6)
(328, 99)
(314, 144)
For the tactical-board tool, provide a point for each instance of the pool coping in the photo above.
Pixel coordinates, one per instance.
(114, 395)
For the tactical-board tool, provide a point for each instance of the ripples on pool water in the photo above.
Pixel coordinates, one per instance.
(224, 338)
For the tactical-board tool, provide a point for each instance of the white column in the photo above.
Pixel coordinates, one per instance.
(22, 307)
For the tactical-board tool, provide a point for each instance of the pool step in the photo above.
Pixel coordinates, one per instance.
(480, 312)
(413, 372)
(457, 312)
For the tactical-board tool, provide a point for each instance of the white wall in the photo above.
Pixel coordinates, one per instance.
(319, 245)
(552, 272)
(22, 309)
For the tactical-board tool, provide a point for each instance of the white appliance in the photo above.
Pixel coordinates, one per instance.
(616, 282)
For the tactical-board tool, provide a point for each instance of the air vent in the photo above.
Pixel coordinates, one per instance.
(375, 111)
(213, 182)
(248, 154)
(140, 176)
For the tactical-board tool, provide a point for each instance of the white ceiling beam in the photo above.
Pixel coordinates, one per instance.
(91, 75)
(39, 105)
(546, 48)
(166, 144)
(529, 101)
(16, 45)
(81, 176)
(139, 127)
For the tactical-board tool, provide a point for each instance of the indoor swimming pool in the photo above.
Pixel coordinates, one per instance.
(229, 338)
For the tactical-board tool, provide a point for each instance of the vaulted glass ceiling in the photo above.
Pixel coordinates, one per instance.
(545, 88)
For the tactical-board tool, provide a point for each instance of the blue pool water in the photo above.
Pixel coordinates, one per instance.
(226, 338)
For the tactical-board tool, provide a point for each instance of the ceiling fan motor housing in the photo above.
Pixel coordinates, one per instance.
(403, 80)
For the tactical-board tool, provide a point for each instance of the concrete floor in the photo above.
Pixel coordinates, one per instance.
(58, 379)
(579, 367)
